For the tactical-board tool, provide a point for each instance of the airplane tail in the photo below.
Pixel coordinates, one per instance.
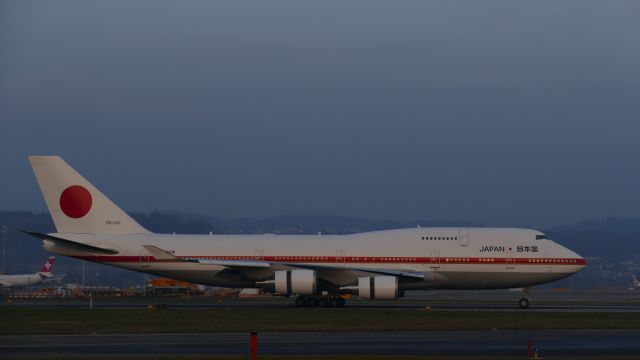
(75, 205)
(47, 269)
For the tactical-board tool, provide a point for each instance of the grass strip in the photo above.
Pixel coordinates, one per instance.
(33, 320)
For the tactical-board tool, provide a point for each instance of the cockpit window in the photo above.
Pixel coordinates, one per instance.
(540, 237)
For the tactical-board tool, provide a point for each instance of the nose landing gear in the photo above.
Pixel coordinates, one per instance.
(524, 300)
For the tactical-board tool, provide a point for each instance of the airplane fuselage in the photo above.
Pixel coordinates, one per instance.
(449, 258)
(319, 269)
(21, 280)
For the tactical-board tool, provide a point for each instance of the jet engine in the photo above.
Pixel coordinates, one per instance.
(378, 287)
(298, 282)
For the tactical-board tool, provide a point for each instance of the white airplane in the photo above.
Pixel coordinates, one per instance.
(45, 273)
(319, 269)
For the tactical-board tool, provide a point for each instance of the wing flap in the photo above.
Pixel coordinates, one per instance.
(160, 254)
(236, 263)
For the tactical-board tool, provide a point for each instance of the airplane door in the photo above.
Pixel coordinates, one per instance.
(435, 264)
(511, 260)
(463, 237)
(435, 259)
(144, 258)
(259, 255)
(340, 257)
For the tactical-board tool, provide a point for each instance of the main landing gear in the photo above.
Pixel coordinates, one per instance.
(319, 301)
(524, 300)
(524, 303)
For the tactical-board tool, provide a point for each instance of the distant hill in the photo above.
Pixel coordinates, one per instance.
(611, 237)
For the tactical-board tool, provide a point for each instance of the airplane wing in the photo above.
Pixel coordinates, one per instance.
(72, 244)
(237, 263)
(240, 265)
(163, 255)
(337, 274)
(4, 283)
(328, 272)
(402, 275)
(54, 278)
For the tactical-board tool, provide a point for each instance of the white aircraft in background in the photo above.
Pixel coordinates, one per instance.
(635, 284)
(319, 269)
(45, 273)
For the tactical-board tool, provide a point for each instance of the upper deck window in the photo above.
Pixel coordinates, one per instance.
(540, 237)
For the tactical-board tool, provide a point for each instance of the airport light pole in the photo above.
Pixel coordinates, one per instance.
(5, 235)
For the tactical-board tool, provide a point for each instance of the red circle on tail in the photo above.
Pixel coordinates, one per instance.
(75, 201)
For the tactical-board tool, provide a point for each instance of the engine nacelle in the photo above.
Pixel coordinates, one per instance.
(378, 287)
(298, 282)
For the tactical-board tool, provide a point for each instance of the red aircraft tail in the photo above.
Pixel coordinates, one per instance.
(47, 268)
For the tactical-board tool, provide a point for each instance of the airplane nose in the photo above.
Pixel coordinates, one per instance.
(579, 262)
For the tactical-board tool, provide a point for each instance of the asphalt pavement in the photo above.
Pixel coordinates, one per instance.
(550, 344)
(280, 303)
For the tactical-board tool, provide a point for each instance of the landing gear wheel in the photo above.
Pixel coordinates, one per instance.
(524, 303)
(340, 302)
(323, 302)
(300, 301)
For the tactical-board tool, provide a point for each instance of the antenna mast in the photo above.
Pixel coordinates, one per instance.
(5, 236)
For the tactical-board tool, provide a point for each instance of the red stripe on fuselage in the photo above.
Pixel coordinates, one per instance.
(352, 259)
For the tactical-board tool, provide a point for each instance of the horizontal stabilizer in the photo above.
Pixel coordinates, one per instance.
(72, 244)
(53, 278)
(160, 254)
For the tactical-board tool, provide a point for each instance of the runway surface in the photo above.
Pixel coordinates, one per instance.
(465, 343)
(356, 304)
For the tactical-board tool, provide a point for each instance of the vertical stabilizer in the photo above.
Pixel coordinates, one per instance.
(75, 205)
(47, 268)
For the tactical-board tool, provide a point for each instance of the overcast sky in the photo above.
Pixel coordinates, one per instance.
(523, 113)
